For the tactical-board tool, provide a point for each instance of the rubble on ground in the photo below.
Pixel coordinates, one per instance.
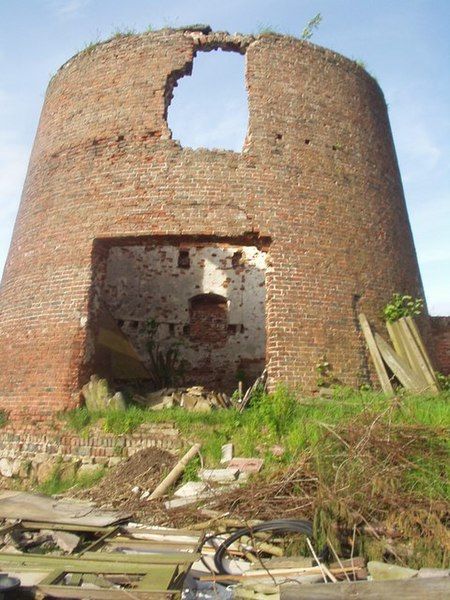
(222, 558)
(195, 398)
(98, 396)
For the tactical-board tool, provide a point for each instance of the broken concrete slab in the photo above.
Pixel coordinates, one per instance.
(382, 571)
(246, 465)
(66, 541)
(227, 475)
(202, 405)
(227, 453)
(190, 489)
(189, 401)
(179, 502)
(425, 573)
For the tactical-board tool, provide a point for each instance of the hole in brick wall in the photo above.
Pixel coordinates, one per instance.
(209, 109)
(237, 259)
(171, 328)
(208, 315)
(184, 261)
(306, 142)
(232, 329)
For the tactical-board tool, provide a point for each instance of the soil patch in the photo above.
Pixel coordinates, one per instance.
(144, 470)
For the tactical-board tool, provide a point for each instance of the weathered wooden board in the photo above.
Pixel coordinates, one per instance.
(396, 339)
(37, 507)
(415, 358)
(76, 593)
(385, 383)
(412, 334)
(101, 564)
(409, 589)
(399, 367)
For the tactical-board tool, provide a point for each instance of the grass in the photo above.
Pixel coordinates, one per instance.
(57, 483)
(356, 453)
(272, 419)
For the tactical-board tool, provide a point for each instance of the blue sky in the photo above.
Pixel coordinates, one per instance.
(404, 43)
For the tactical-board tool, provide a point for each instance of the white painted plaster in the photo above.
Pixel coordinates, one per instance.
(145, 283)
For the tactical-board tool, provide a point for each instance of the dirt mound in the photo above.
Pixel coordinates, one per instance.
(144, 470)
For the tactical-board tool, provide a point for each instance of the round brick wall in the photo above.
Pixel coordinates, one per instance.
(317, 180)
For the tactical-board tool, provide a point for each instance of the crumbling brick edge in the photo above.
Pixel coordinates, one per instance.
(27, 455)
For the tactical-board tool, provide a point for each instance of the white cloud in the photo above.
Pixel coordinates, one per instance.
(67, 8)
(419, 150)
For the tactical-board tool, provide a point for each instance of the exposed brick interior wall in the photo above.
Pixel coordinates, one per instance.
(206, 300)
(317, 176)
(440, 335)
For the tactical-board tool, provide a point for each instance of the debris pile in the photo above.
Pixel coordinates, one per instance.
(117, 562)
(194, 398)
(123, 485)
(223, 559)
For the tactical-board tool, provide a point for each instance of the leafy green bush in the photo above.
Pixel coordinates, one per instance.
(444, 381)
(166, 366)
(402, 306)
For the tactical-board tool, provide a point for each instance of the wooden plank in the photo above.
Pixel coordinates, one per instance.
(411, 356)
(75, 579)
(77, 593)
(77, 565)
(140, 546)
(158, 559)
(405, 589)
(261, 380)
(423, 351)
(15, 504)
(62, 527)
(155, 580)
(396, 339)
(153, 577)
(399, 367)
(383, 377)
(56, 576)
(416, 358)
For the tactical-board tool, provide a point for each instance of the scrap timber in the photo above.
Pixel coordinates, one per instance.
(113, 563)
(407, 360)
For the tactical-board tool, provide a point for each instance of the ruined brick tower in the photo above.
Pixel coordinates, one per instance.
(262, 257)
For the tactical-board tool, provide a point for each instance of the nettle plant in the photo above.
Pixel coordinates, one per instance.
(166, 366)
(402, 306)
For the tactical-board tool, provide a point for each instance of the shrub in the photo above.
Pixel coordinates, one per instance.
(402, 306)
